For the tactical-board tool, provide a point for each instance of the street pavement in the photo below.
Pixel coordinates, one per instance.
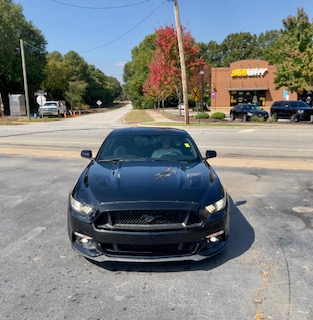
(264, 273)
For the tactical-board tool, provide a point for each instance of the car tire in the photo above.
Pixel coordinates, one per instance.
(294, 118)
(232, 117)
(274, 116)
(244, 118)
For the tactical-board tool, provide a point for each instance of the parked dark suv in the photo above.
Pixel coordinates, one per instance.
(293, 110)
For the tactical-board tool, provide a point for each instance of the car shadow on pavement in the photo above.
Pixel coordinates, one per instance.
(240, 240)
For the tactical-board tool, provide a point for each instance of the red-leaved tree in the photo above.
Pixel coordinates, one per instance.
(164, 77)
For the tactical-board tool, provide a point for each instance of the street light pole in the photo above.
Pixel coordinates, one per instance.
(202, 87)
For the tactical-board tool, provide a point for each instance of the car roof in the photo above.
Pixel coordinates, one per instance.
(246, 104)
(149, 130)
(289, 101)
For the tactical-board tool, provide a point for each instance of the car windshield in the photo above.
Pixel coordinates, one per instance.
(148, 147)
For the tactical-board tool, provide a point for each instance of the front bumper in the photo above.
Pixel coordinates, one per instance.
(305, 116)
(48, 112)
(194, 244)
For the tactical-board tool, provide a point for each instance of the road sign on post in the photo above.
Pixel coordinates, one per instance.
(196, 94)
(41, 100)
(99, 103)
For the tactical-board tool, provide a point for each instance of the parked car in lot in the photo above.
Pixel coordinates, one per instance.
(148, 195)
(246, 111)
(291, 109)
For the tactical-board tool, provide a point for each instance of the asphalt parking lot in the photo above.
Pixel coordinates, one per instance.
(265, 272)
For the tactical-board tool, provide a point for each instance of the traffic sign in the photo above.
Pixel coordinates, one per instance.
(40, 93)
(41, 100)
(196, 94)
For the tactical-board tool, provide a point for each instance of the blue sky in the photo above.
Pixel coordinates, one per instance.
(104, 32)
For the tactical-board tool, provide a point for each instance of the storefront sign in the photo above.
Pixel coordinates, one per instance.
(249, 72)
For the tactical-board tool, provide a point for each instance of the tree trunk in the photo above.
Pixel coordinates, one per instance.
(4, 95)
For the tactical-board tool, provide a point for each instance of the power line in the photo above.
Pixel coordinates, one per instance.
(99, 8)
(124, 34)
(38, 49)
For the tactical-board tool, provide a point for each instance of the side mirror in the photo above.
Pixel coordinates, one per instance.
(210, 154)
(86, 154)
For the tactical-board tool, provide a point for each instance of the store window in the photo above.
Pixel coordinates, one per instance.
(257, 97)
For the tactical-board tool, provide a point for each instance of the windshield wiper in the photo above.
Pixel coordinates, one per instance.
(115, 160)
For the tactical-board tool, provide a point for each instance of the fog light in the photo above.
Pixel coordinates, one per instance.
(215, 237)
(84, 240)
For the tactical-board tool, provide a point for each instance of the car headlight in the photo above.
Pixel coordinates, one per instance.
(216, 206)
(249, 114)
(81, 208)
(300, 111)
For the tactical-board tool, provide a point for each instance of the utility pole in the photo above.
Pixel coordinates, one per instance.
(182, 61)
(25, 78)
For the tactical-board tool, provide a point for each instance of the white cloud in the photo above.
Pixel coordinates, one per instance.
(121, 64)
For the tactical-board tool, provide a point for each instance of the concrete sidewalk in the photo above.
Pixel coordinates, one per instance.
(158, 117)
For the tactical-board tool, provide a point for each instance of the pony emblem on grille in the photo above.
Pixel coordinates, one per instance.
(149, 218)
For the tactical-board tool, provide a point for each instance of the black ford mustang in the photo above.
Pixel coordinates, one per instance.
(148, 195)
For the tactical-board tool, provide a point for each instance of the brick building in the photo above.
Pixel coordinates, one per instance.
(246, 81)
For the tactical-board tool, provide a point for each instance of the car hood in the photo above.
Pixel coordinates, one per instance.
(150, 181)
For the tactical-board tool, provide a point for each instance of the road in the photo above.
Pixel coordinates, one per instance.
(266, 271)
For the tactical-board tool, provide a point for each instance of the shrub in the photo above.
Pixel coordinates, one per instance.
(218, 115)
(85, 107)
(197, 109)
(272, 119)
(201, 115)
(257, 119)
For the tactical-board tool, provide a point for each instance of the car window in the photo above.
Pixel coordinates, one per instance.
(298, 104)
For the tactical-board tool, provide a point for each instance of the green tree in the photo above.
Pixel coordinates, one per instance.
(96, 89)
(57, 75)
(114, 88)
(75, 93)
(136, 71)
(295, 52)
(269, 42)
(211, 53)
(77, 67)
(239, 46)
(13, 27)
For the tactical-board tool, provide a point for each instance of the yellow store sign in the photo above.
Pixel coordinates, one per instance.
(249, 72)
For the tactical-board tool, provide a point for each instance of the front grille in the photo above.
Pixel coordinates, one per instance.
(147, 219)
(161, 250)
